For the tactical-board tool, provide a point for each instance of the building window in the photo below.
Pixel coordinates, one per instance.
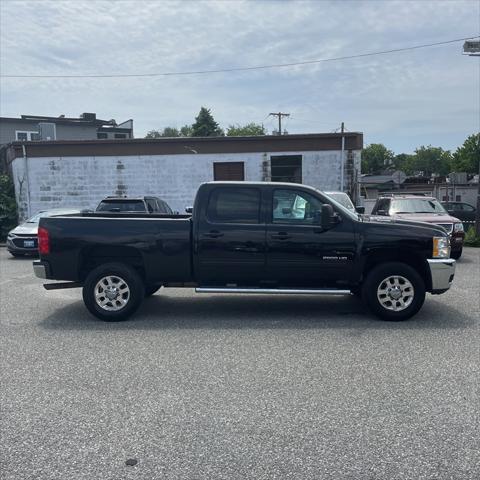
(25, 136)
(120, 135)
(458, 198)
(102, 135)
(233, 171)
(286, 168)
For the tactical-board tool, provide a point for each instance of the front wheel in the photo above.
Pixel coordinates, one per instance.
(394, 291)
(113, 291)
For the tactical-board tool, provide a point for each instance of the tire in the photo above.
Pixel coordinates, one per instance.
(380, 289)
(113, 278)
(151, 289)
(456, 255)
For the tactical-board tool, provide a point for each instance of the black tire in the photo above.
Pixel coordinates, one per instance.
(151, 289)
(376, 278)
(456, 255)
(129, 276)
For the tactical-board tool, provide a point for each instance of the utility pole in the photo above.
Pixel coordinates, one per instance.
(342, 174)
(279, 115)
(472, 48)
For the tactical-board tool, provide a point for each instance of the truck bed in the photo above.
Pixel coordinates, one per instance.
(160, 244)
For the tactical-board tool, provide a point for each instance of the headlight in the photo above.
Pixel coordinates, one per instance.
(11, 235)
(458, 227)
(441, 247)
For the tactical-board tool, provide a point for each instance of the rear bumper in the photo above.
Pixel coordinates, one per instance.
(41, 269)
(442, 271)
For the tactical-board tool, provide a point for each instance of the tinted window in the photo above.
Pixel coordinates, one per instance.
(121, 206)
(234, 205)
(293, 206)
(467, 207)
(383, 204)
(416, 205)
(151, 205)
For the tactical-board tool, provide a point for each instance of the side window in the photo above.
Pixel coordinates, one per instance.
(150, 205)
(467, 207)
(458, 207)
(295, 207)
(383, 204)
(234, 205)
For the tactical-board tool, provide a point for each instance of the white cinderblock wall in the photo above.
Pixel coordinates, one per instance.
(42, 183)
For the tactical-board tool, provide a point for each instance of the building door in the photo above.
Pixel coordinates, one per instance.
(229, 171)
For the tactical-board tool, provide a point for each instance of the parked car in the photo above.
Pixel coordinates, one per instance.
(22, 240)
(463, 211)
(137, 205)
(346, 201)
(423, 209)
(239, 240)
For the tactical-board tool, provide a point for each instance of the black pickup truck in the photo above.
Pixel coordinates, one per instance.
(246, 238)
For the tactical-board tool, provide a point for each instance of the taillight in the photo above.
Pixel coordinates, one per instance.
(43, 241)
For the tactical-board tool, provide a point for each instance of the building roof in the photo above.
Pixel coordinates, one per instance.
(189, 145)
(83, 119)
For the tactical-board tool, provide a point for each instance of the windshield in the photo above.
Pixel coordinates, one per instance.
(121, 206)
(343, 199)
(416, 205)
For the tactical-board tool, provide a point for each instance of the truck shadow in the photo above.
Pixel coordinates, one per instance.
(167, 311)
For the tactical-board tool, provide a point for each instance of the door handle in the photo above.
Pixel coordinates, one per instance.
(280, 236)
(213, 234)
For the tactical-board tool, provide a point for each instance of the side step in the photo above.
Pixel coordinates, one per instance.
(62, 285)
(283, 291)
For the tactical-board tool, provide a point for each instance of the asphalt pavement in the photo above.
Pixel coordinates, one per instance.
(238, 387)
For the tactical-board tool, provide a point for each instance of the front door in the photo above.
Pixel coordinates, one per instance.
(300, 252)
(231, 238)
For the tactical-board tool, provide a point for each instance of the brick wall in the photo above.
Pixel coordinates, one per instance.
(81, 182)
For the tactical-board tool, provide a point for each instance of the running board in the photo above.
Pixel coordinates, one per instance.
(62, 285)
(296, 291)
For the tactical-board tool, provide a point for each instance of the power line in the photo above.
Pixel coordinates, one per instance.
(240, 69)
(279, 115)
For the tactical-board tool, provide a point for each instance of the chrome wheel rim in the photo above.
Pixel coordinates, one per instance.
(395, 293)
(112, 293)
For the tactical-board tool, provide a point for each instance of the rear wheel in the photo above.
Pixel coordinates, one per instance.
(113, 291)
(394, 291)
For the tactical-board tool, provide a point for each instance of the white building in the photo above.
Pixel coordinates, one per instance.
(80, 173)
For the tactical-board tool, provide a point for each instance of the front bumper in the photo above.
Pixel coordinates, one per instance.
(442, 271)
(12, 247)
(41, 269)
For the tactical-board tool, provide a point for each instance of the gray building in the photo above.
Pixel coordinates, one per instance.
(79, 174)
(86, 127)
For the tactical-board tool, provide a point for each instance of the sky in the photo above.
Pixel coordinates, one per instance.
(403, 100)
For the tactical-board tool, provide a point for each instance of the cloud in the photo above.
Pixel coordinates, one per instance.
(382, 96)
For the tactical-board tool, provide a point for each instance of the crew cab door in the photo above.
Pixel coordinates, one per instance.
(299, 251)
(230, 237)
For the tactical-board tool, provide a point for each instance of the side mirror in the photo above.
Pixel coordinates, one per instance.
(188, 209)
(329, 217)
(360, 210)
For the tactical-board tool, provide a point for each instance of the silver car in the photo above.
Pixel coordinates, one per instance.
(22, 240)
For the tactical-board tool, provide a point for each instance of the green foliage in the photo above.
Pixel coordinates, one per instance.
(375, 158)
(185, 131)
(248, 130)
(431, 160)
(205, 125)
(467, 157)
(404, 162)
(471, 238)
(8, 206)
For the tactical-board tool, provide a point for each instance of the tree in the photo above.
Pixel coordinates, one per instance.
(375, 158)
(205, 125)
(249, 130)
(8, 206)
(430, 160)
(185, 131)
(467, 157)
(404, 162)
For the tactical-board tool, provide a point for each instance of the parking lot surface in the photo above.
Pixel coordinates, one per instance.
(212, 386)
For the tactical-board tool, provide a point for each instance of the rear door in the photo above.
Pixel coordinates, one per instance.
(230, 243)
(299, 251)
